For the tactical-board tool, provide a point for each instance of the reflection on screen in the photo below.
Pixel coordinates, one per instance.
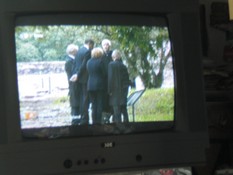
(47, 94)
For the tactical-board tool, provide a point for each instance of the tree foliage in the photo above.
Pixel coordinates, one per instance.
(146, 50)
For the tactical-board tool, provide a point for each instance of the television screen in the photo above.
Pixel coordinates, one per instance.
(138, 96)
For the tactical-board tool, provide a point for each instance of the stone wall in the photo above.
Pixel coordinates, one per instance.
(40, 67)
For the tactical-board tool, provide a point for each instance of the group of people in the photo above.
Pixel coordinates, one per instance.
(97, 76)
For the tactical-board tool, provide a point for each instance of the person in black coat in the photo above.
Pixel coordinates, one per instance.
(118, 83)
(71, 51)
(80, 77)
(95, 84)
(107, 58)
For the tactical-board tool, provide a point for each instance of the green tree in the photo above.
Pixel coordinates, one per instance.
(146, 50)
(162, 48)
(50, 42)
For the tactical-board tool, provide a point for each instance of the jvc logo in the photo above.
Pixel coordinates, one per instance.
(108, 144)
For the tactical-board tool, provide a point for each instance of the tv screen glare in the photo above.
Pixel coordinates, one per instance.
(156, 50)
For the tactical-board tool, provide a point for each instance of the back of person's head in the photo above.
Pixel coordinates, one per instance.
(116, 54)
(71, 49)
(97, 52)
(89, 41)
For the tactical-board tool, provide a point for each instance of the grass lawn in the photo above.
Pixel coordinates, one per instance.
(154, 105)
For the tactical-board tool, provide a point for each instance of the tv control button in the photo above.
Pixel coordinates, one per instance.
(138, 157)
(68, 163)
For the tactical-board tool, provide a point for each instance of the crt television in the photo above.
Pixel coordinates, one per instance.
(35, 140)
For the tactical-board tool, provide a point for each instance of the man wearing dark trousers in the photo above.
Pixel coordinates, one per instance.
(81, 76)
(118, 83)
(69, 66)
(107, 58)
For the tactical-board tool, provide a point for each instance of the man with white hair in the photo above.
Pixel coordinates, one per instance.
(118, 83)
(71, 51)
(107, 58)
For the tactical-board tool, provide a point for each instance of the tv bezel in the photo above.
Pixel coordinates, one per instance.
(117, 152)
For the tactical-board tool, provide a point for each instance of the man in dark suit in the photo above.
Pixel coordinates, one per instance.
(118, 83)
(71, 51)
(81, 76)
(107, 58)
